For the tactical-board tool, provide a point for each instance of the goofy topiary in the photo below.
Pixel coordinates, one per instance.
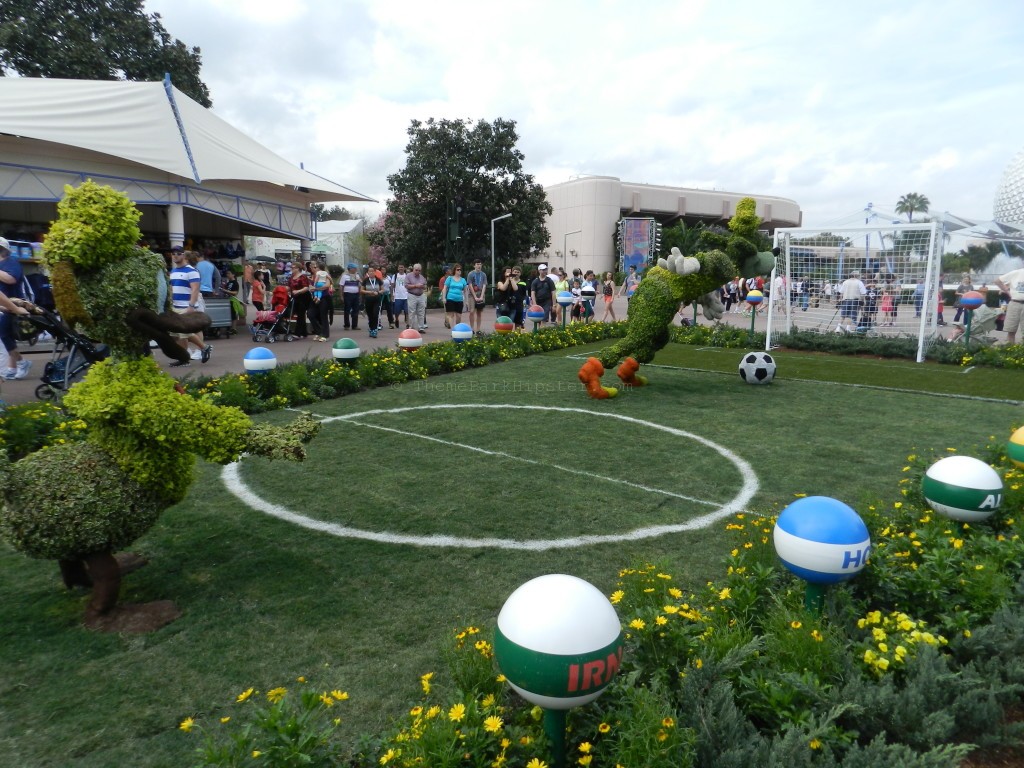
(674, 281)
(79, 503)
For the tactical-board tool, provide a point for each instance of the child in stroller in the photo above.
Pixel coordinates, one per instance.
(274, 322)
(73, 354)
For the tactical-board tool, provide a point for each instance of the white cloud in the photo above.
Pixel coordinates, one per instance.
(830, 105)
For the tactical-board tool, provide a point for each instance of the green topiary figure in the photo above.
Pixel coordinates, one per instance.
(674, 281)
(81, 502)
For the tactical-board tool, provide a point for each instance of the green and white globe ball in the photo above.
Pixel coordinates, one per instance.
(963, 488)
(559, 641)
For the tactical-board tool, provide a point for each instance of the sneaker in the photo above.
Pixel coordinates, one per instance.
(422, 328)
(22, 369)
(373, 334)
(205, 354)
(179, 364)
(196, 354)
(9, 374)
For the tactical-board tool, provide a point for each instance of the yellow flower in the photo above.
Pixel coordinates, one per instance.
(536, 763)
(300, 679)
(795, 624)
(699, 664)
(433, 712)
(670, 609)
(725, 594)
(244, 695)
(637, 624)
(388, 756)
(816, 635)
(617, 596)
(585, 760)
(256, 753)
(416, 711)
(275, 695)
(603, 728)
(882, 664)
(327, 700)
(967, 633)
(340, 695)
(186, 724)
(487, 701)
(661, 621)
(225, 719)
(425, 682)
(676, 593)
(457, 712)
(668, 722)
(501, 678)
(493, 724)
(814, 744)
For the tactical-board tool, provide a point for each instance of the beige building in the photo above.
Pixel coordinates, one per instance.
(587, 210)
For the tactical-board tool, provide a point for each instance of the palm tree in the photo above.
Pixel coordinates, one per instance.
(911, 203)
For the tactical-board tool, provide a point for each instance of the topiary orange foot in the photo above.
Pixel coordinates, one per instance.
(590, 374)
(627, 372)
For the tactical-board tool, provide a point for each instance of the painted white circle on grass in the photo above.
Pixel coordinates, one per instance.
(232, 479)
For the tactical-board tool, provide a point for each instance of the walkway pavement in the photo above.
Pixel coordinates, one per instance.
(228, 353)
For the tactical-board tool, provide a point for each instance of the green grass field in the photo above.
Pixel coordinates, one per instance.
(398, 500)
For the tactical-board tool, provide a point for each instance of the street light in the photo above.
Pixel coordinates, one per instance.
(494, 278)
(565, 250)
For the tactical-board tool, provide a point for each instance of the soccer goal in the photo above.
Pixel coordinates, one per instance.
(898, 265)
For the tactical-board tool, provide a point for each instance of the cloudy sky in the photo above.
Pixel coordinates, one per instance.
(831, 104)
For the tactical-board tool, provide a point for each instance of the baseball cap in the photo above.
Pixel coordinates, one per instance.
(353, 266)
(4, 244)
(543, 266)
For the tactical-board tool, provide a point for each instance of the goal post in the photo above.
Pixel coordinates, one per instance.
(897, 263)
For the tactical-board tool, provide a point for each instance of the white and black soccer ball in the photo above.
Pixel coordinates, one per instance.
(757, 368)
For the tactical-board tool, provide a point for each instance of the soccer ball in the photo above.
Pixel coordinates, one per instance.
(757, 368)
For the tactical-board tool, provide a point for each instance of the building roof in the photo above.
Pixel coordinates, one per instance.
(153, 124)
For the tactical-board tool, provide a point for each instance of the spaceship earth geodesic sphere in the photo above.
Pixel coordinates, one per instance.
(1009, 203)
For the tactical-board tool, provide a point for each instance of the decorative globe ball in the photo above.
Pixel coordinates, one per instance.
(963, 488)
(536, 313)
(259, 360)
(410, 339)
(564, 298)
(461, 332)
(1015, 448)
(504, 324)
(822, 540)
(754, 297)
(559, 641)
(345, 349)
(972, 300)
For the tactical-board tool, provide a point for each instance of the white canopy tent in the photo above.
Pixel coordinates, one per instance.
(154, 143)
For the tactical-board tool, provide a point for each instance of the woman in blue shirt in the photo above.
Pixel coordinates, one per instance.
(452, 295)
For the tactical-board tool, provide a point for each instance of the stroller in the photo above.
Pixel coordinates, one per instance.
(73, 354)
(271, 323)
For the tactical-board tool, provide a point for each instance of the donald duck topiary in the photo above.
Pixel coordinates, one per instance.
(79, 503)
(677, 280)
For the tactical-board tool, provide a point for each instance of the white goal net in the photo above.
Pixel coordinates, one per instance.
(869, 280)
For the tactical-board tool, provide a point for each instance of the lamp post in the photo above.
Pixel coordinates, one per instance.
(494, 278)
(565, 243)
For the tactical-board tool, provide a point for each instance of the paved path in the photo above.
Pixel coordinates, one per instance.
(228, 353)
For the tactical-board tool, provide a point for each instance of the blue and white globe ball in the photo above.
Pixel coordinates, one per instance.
(259, 360)
(757, 368)
(822, 540)
(963, 488)
(461, 332)
(564, 298)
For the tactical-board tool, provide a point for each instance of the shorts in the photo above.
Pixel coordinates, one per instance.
(453, 306)
(400, 305)
(1014, 314)
(180, 311)
(609, 299)
(849, 307)
(7, 332)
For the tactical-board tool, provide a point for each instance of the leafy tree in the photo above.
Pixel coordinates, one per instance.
(95, 40)
(682, 237)
(335, 213)
(911, 203)
(476, 163)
